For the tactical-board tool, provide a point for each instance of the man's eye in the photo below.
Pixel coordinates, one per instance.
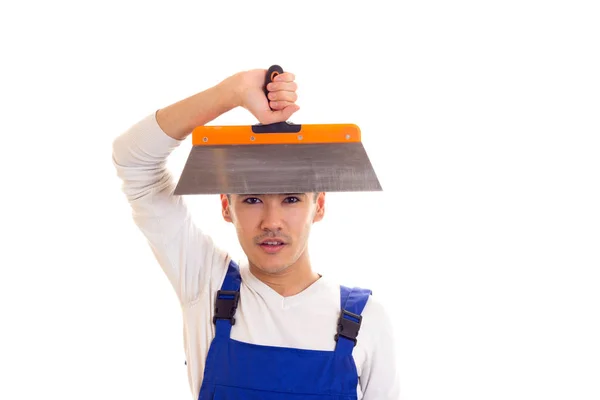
(251, 200)
(292, 199)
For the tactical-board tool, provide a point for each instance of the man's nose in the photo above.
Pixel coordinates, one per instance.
(272, 218)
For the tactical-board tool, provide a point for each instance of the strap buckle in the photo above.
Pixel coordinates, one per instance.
(226, 305)
(348, 327)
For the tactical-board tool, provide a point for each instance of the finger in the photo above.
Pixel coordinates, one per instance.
(287, 86)
(285, 77)
(283, 96)
(280, 105)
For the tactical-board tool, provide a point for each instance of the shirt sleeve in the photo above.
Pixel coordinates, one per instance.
(184, 252)
(380, 379)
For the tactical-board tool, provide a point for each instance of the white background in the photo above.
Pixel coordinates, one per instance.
(482, 121)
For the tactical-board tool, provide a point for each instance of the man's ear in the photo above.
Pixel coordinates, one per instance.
(225, 208)
(320, 206)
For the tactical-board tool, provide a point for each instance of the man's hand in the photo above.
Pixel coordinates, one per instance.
(282, 95)
(243, 89)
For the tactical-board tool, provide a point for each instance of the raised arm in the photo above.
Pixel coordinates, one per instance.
(185, 253)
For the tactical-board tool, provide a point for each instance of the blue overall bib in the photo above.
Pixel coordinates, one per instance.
(242, 371)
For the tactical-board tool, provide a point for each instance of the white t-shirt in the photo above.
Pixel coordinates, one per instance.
(196, 269)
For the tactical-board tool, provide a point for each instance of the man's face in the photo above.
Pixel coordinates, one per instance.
(273, 229)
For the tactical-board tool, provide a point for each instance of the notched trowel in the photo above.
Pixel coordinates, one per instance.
(282, 157)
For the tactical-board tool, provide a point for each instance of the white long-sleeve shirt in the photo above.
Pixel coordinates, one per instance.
(196, 268)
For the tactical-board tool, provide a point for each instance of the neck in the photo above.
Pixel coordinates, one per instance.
(288, 281)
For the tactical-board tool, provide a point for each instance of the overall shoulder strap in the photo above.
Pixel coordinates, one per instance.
(227, 301)
(353, 302)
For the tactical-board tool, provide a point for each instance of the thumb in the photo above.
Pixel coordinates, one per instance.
(285, 114)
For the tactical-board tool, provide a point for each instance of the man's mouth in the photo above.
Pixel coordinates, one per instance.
(272, 245)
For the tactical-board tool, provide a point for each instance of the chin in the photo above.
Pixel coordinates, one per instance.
(272, 271)
(271, 263)
(272, 266)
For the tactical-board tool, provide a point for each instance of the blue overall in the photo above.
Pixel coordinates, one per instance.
(242, 371)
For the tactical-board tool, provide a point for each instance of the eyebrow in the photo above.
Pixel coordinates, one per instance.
(278, 194)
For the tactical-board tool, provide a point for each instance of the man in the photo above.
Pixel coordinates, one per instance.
(267, 328)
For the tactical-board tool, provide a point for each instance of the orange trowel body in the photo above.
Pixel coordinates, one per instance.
(277, 158)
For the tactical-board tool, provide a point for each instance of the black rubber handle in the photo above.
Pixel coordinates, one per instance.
(272, 72)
